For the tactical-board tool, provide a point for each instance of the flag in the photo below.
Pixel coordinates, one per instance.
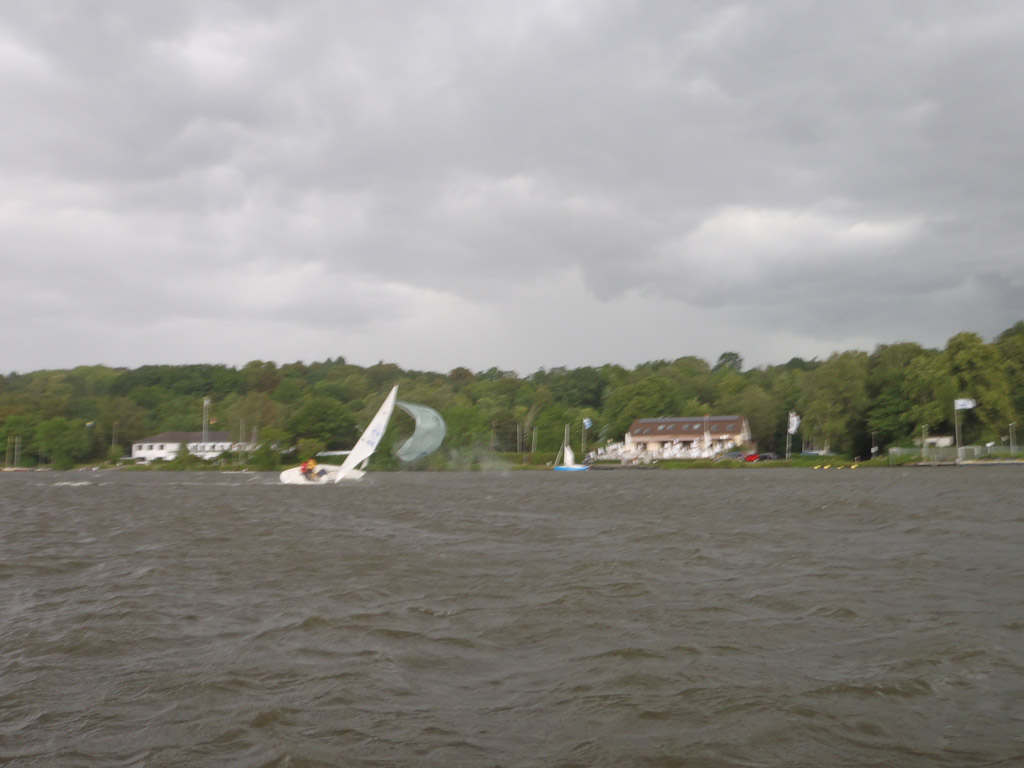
(794, 422)
(587, 423)
(963, 404)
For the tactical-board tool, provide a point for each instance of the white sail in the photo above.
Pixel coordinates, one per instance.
(570, 457)
(428, 434)
(369, 440)
(565, 461)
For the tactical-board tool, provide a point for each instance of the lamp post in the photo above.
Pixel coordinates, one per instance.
(1013, 444)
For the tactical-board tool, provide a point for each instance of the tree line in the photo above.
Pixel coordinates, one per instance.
(851, 402)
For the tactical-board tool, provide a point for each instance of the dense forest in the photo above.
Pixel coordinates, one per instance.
(851, 401)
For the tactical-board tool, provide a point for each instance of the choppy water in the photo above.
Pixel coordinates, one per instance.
(690, 618)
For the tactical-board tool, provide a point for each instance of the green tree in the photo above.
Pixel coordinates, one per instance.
(467, 427)
(729, 361)
(63, 441)
(836, 400)
(324, 420)
(259, 376)
(1010, 345)
(579, 388)
(767, 418)
(979, 375)
(889, 410)
(651, 397)
(928, 390)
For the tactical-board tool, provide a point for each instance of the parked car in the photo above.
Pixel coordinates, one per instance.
(752, 457)
(767, 456)
(731, 456)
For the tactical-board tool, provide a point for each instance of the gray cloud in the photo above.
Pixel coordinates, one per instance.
(535, 184)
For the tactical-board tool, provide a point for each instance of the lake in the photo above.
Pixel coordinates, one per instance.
(750, 617)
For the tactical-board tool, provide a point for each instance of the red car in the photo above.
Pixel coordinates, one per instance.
(751, 457)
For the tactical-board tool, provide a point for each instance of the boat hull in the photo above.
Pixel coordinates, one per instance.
(323, 475)
(573, 468)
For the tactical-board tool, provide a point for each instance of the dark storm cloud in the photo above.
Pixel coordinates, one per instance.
(411, 182)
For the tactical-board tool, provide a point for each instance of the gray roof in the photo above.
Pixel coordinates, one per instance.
(186, 437)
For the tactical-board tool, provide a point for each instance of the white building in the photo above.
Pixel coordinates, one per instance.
(166, 445)
(693, 437)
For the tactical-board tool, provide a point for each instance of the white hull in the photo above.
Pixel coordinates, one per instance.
(324, 475)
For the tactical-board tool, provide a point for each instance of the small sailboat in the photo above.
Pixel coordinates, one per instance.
(565, 461)
(355, 463)
(426, 438)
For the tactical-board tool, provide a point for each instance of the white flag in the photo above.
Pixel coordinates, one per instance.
(794, 422)
(963, 404)
(587, 423)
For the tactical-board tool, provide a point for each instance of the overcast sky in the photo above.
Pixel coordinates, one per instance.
(515, 184)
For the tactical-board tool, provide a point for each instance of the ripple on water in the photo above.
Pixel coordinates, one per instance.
(660, 618)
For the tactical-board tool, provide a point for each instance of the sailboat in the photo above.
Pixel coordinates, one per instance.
(567, 457)
(355, 463)
(427, 437)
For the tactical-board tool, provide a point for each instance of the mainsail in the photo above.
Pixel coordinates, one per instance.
(369, 439)
(428, 434)
(570, 457)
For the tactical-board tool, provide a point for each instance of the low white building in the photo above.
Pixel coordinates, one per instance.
(167, 444)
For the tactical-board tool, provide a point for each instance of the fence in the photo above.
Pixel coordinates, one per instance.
(948, 455)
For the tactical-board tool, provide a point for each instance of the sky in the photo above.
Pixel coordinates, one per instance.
(519, 185)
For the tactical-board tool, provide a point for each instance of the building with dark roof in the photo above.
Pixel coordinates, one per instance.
(691, 437)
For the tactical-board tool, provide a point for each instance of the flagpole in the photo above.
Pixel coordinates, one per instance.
(956, 424)
(206, 412)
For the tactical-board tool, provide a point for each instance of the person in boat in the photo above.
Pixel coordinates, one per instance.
(308, 466)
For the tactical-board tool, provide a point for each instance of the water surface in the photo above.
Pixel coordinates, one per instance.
(693, 618)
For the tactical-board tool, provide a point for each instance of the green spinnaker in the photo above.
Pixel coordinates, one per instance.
(428, 434)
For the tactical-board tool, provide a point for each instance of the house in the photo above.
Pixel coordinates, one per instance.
(689, 437)
(166, 445)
